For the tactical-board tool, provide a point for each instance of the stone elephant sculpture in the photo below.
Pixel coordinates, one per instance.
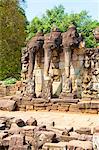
(34, 46)
(52, 41)
(70, 40)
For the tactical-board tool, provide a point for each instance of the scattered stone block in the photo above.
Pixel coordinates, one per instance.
(29, 130)
(14, 129)
(80, 144)
(84, 130)
(31, 122)
(20, 122)
(9, 105)
(44, 136)
(16, 141)
(55, 146)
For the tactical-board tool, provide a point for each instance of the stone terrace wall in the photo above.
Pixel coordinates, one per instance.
(84, 73)
(91, 73)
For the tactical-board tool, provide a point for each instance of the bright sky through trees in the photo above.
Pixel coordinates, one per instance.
(38, 7)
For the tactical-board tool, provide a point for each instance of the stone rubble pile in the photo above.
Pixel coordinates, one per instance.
(17, 134)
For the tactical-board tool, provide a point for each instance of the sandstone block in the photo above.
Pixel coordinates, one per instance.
(7, 105)
(20, 122)
(80, 144)
(16, 140)
(55, 146)
(31, 122)
(85, 130)
(57, 88)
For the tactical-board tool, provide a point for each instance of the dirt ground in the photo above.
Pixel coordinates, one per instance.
(61, 120)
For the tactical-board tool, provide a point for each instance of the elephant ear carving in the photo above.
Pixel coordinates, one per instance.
(52, 40)
(36, 42)
(71, 38)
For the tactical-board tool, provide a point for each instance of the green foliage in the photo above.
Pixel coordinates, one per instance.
(58, 17)
(9, 81)
(12, 37)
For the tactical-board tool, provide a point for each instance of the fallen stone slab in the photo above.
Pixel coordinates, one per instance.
(66, 128)
(81, 137)
(8, 105)
(44, 136)
(83, 145)
(14, 129)
(58, 131)
(55, 146)
(84, 130)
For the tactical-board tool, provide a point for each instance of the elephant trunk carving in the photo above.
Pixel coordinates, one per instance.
(34, 46)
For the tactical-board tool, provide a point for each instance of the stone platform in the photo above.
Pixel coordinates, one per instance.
(18, 102)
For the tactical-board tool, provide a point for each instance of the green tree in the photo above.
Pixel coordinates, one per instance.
(12, 37)
(58, 17)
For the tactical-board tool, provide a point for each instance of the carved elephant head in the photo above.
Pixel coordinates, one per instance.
(36, 43)
(53, 39)
(71, 38)
(34, 46)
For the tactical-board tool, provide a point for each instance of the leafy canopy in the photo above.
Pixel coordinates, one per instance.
(58, 17)
(12, 37)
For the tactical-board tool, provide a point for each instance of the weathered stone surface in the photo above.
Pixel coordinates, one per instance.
(81, 137)
(85, 130)
(16, 141)
(6, 141)
(24, 147)
(44, 136)
(29, 130)
(55, 146)
(14, 129)
(3, 135)
(7, 105)
(57, 88)
(31, 122)
(20, 122)
(80, 144)
(74, 108)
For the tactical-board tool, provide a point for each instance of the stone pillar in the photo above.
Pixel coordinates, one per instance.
(67, 80)
(25, 63)
(47, 88)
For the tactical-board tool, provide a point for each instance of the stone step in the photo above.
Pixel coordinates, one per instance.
(91, 104)
(65, 100)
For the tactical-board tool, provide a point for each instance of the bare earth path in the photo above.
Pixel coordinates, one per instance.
(61, 119)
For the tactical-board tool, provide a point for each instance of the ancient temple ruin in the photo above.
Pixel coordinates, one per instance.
(58, 65)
